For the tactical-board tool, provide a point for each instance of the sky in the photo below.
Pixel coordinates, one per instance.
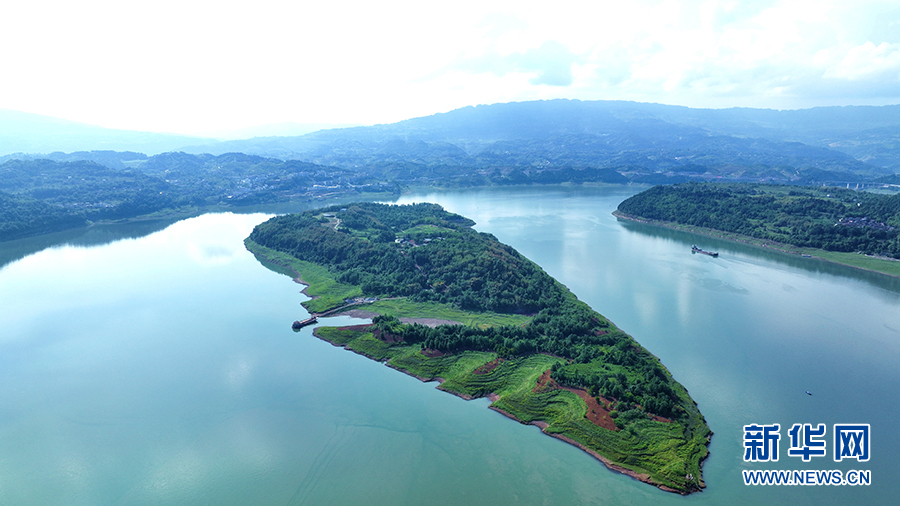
(204, 67)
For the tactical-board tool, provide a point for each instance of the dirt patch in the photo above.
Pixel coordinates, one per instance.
(488, 367)
(597, 412)
(545, 382)
(386, 336)
(428, 352)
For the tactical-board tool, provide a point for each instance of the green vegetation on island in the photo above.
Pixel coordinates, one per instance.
(837, 224)
(520, 337)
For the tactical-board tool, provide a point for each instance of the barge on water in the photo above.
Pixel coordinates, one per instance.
(695, 249)
(299, 324)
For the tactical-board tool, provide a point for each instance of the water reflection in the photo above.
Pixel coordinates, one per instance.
(10, 251)
(816, 265)
(97, 235)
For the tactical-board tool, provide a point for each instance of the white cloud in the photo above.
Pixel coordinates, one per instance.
(868, 61)
(549, 64)
(199, 65)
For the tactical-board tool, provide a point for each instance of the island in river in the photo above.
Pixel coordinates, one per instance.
(499, 327)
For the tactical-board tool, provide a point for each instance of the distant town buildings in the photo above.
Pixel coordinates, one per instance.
(864, 222)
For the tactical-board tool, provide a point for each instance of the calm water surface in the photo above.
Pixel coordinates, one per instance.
(161, 369)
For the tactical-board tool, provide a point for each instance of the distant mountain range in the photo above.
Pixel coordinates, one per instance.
(22, 132)
(834, 142)
(857, 139)
(109, 175)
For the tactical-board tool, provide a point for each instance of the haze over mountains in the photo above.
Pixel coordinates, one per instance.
(625, 136)
(33, 133)
(112, 175)
(609, 133)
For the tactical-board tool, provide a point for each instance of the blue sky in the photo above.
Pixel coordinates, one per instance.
(205, 67)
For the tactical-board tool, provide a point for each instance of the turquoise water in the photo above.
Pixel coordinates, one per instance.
(161, 369)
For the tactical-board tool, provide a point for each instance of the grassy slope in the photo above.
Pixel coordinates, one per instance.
(326, 292)
(658, 452)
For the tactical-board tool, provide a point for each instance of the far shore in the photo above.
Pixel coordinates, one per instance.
(891, 265)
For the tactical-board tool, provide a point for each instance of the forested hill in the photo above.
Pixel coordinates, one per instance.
(554, 141)
(826, 218)
(438, 257)
(42, 195)
(426, 255)
(643, 141)
(23, 217)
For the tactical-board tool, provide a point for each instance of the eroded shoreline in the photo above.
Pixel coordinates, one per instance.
(645, 478)
(493, 397)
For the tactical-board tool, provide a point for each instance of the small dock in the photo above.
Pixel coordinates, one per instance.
(299, 324)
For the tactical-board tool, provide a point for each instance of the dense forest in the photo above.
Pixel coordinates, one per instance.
(438, 258)
(43, 196)
(23, 217)
(832, 219)
(422, 252)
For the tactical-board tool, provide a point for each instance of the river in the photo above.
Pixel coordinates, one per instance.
(156, 365)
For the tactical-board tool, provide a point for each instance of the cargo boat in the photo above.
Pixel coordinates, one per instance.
(695, 249)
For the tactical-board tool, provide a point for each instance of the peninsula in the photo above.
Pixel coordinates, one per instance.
(457, 306)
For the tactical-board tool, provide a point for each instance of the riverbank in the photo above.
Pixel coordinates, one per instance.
(880, 265)
(642, 477)
(511, 385)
